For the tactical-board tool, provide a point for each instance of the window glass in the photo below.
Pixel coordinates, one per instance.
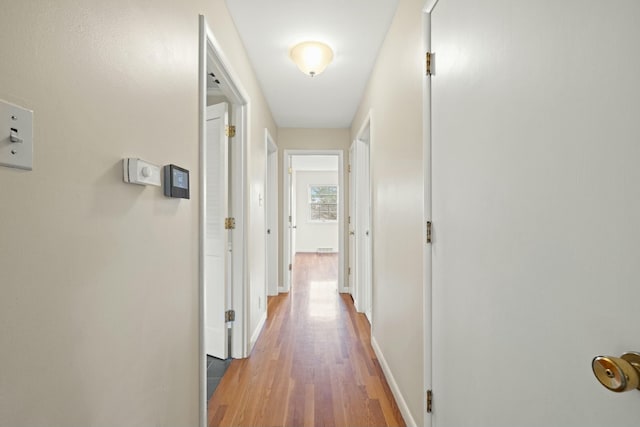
(323, 202)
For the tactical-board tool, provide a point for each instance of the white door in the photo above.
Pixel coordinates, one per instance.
(289, 240)
(363, 226)
(352, 220)
(216, 237)
(294, 214)
(536, 208)
(366, 247)
(271, 198)
(361, 223)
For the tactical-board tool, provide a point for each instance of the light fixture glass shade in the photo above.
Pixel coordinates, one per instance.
(311, 57)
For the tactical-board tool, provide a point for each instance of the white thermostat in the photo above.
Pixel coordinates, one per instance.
(137, 171)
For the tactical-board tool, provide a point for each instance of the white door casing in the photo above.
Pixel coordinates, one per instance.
(535, 209)
(216, 237)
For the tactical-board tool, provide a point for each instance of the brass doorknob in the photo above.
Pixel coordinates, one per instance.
(618, 373)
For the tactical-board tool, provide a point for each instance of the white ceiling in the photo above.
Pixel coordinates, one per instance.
(354, 29)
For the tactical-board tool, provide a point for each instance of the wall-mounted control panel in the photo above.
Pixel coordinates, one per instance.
(176, 182)
(137, 171)
(16, 136)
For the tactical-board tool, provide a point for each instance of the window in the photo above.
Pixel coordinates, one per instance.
(323, 203)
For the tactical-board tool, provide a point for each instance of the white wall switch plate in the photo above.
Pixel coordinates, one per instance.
(16, 136)
(137, 171)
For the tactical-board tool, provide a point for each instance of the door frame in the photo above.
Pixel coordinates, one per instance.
(427, 270)
(286, 183)
(210, 53)
(271, 212)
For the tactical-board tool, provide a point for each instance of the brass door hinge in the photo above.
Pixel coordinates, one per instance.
(429, 231)
(349, 219)
(430, 64)
(290, 267)
(429, 401)
(290, 171)
(349, 168)
(229, 315)
(349, 271)
(230, 131)
(229, 223)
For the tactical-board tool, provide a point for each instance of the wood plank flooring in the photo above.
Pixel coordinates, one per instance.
(313, 364)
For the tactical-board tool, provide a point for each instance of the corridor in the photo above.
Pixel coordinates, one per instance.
(313, 364)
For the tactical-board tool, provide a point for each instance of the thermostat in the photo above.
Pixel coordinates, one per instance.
(176, 182)
(137, 171)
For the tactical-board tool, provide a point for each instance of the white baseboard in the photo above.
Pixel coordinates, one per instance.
(256, 333)
(402, 404)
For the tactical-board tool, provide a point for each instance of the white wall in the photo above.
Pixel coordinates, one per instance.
(315, 163)
(99, 279)
(310, 139)
(311, 235)
(394, 93)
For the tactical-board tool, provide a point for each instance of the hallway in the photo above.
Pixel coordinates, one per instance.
(313, 364)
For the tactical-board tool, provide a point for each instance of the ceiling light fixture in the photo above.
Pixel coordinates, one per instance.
(311, 57)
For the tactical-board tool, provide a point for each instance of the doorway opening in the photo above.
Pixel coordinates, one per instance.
(314, 215)
(223, 108)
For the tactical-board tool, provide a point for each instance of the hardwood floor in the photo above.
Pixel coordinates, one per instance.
(313, 364)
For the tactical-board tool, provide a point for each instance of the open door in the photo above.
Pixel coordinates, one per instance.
(352, 272)
(362, 225)
(216, 236)
(271, 207)
(535, 208)
(294, 217)
(288, 223)
(365, 233)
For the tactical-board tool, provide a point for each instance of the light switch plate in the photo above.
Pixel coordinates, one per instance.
(16, 136)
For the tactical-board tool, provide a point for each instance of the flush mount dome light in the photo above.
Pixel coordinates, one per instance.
(311, 57)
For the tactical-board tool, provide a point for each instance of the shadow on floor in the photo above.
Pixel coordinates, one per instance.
(215, 370)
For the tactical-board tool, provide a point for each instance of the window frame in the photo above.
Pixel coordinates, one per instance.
(310, 219)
